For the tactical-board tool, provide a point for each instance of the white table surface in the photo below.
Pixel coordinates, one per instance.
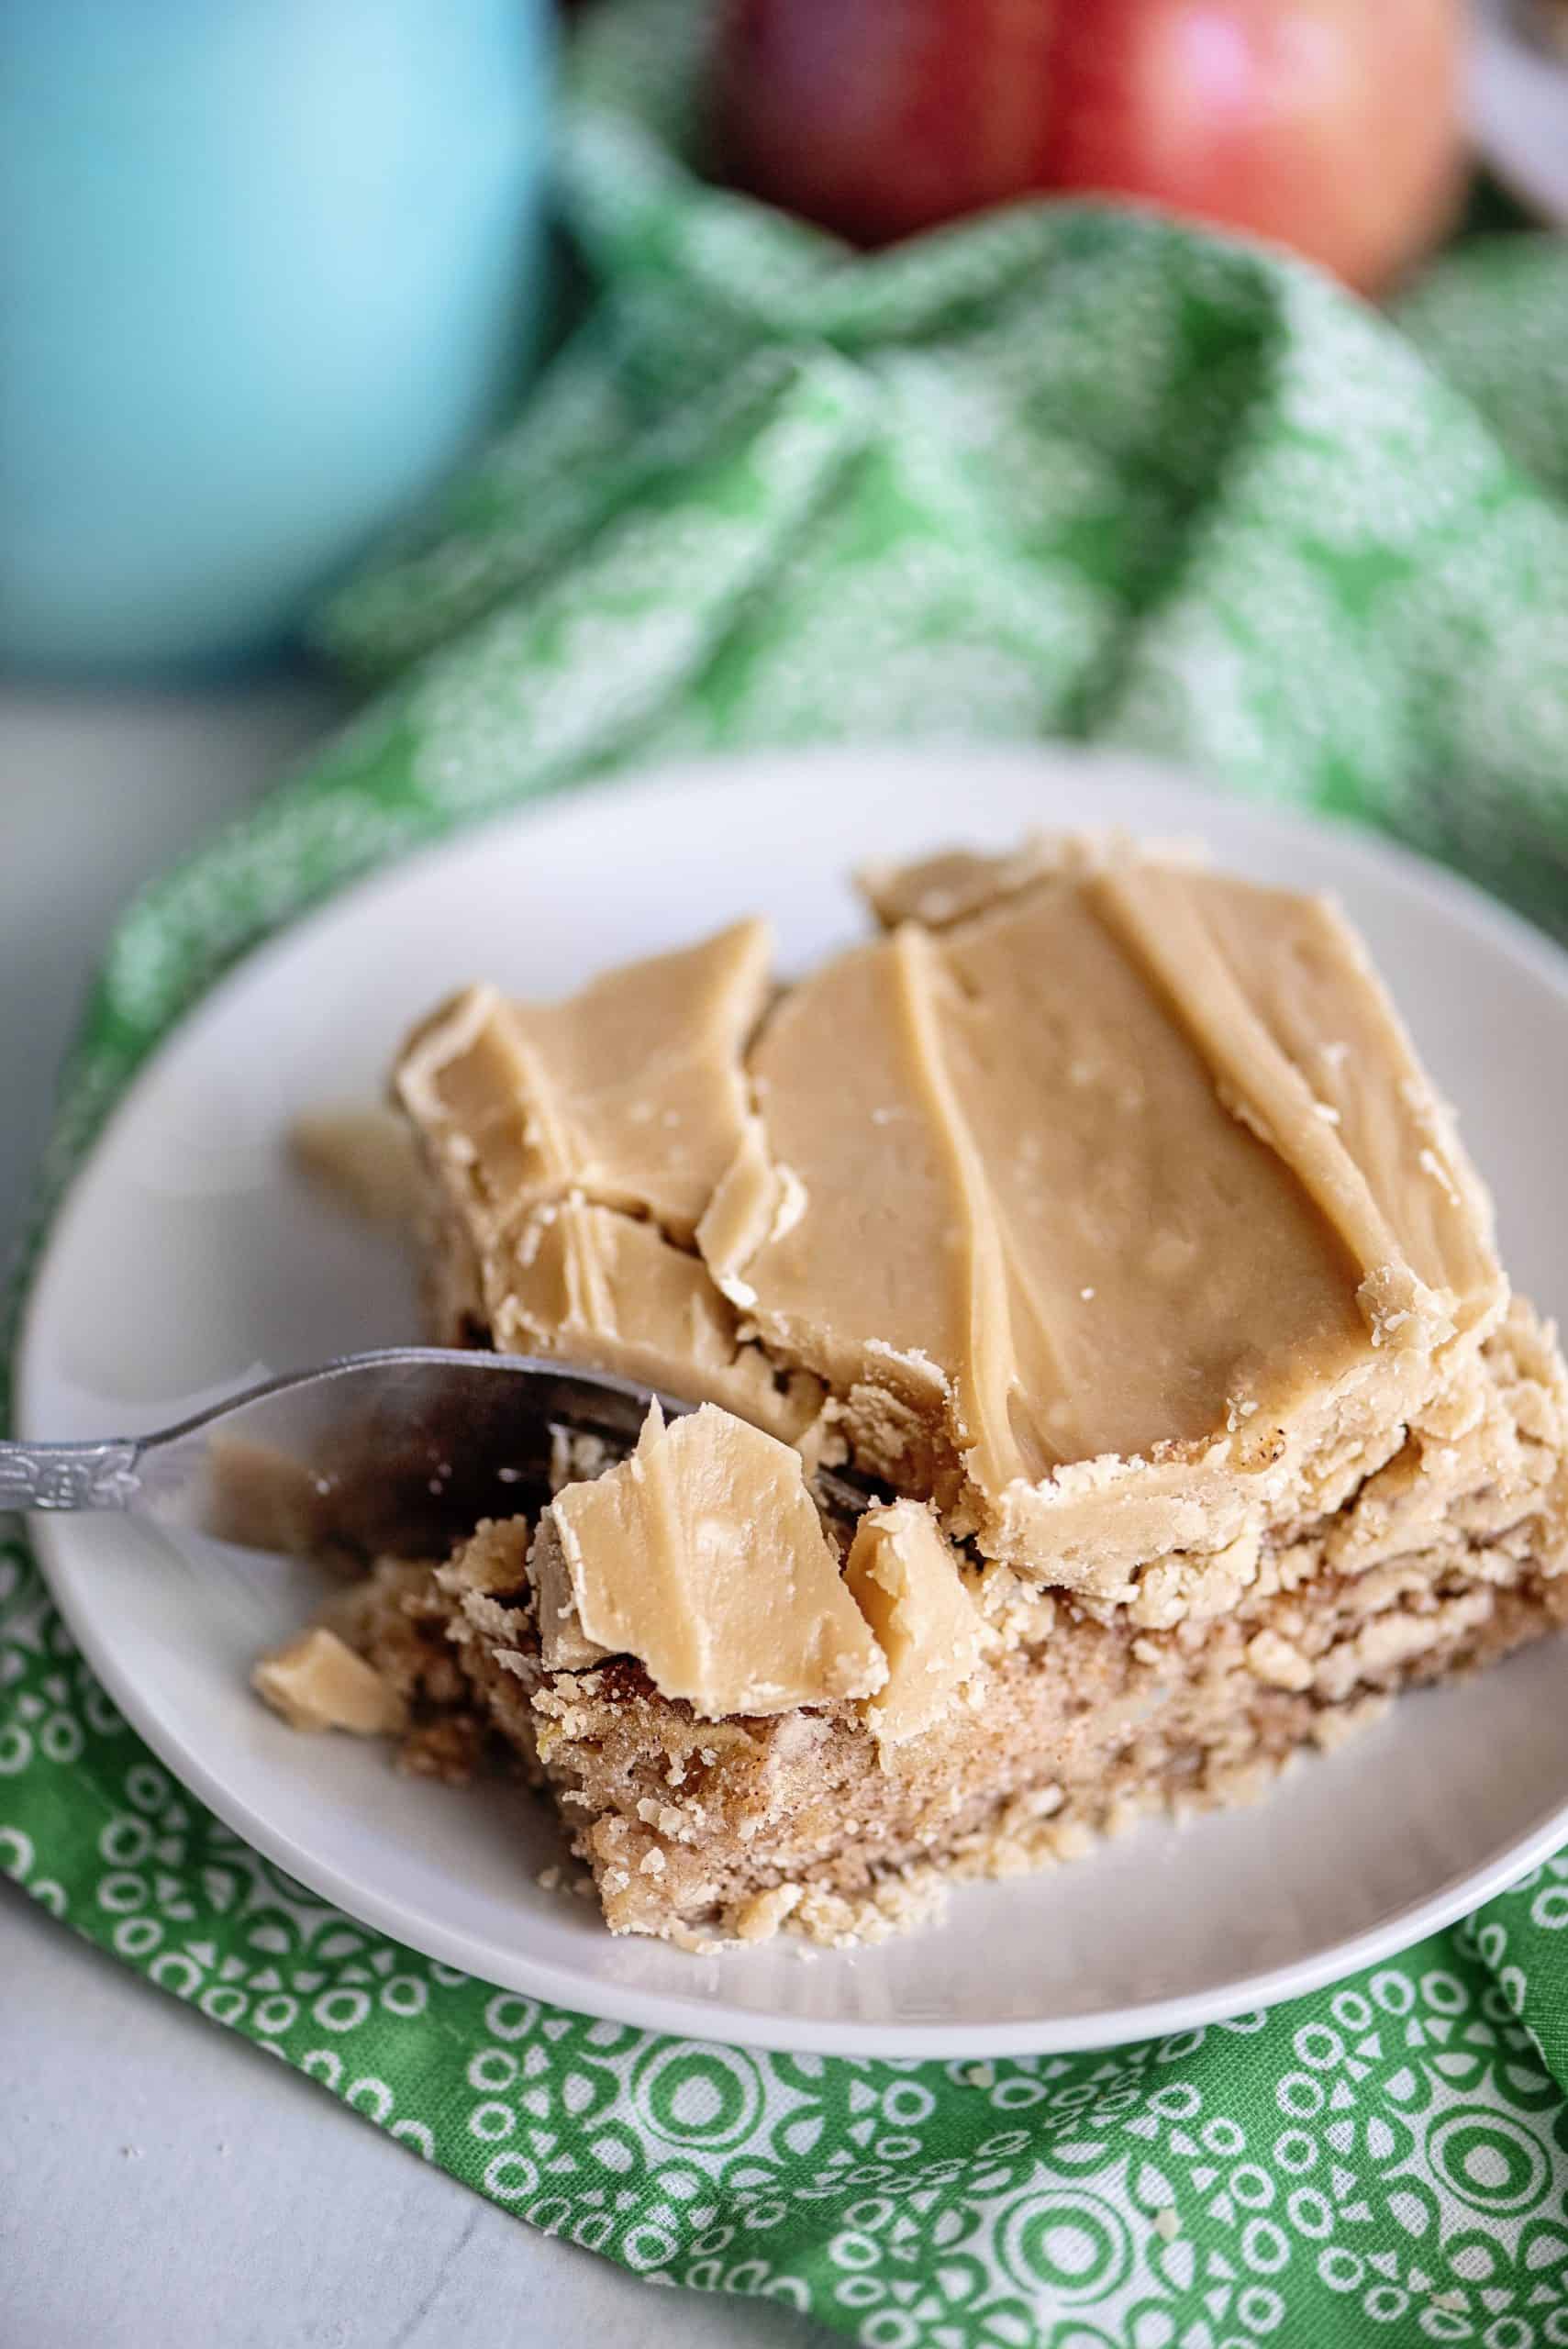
(162, 2181)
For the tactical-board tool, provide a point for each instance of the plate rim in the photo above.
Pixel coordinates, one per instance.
(708, 2018)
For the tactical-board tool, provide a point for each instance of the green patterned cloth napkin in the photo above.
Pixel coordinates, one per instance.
(1059, 472)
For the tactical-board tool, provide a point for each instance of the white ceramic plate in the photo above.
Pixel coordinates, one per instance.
(1519, 109)
(188, 1260)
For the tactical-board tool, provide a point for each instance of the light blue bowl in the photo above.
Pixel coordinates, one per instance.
(269, 268)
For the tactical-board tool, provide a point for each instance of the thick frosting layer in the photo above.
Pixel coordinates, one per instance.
(1105, 1197)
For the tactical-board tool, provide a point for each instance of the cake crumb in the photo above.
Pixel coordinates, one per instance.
(1167, 2222)
(1272, 1660)
(1334, 1725)
(695, 1945)
(762, 1915)
(1069, 1839)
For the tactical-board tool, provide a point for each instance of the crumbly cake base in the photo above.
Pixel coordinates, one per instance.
(1450, 1555)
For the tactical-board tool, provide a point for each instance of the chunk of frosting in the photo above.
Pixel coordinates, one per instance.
(905, 1578)
(632, 1093)
(317, 1681)
(703, 1556)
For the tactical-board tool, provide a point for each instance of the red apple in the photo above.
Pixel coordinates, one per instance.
(1332, 125)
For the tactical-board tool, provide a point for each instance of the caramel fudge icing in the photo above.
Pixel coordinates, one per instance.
(1112, 1212)
(1095, 1213)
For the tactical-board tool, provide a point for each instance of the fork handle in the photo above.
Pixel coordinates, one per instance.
(68, 1475)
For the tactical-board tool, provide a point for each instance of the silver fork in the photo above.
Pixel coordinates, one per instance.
(400, 1452)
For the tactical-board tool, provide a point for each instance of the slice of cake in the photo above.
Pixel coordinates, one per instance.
(1097, 1213)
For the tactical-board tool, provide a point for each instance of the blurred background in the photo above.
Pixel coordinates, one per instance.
(274, 270)
(273, 273)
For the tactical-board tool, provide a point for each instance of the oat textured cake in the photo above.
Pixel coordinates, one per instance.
(1097, 1215)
